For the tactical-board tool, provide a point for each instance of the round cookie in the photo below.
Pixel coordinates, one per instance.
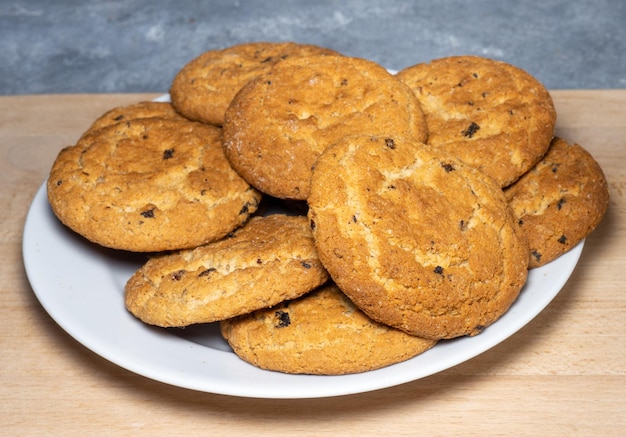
(321, 333)
(133, 111)
(279, 123)
(490, 114)
(149, 185)
(204, 87)
(559, 201)
(417, 239)
(266, 261)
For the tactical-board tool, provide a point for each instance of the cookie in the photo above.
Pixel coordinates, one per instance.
(490, 114)
(417, 239)
(559, 201)
(204, 87)
(133, 111)
(279, 123)
(321, 333)
(266, 261)
(149, 185)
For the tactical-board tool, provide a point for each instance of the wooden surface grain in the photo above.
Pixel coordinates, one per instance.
(562, 374)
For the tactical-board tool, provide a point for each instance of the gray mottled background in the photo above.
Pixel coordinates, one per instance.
(70, 46)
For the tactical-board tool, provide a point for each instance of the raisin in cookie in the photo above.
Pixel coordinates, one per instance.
(488, 113)
(279, 123)
(321, 333)
(149, 185)
(417, 239)
(204, 87)
(559, 201)
(268, 260)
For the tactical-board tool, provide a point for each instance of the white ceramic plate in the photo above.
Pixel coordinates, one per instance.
(81, 286)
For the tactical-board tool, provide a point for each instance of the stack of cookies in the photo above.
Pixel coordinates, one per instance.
(331, 216)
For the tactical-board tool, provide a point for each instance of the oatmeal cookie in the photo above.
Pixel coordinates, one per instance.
(321, 333)
(149, 185)
(147, 109)
(417, 239)
(204, 87)
(279, 123)
(266, 261)
(490, 114)
(559, 201)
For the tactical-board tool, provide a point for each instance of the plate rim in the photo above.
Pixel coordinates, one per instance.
(141, 361)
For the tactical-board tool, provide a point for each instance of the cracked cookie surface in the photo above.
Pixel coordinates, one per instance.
(559, 201)
(279, 123)
(490, 114)
(268, 260)
(204, 87)
(417, 239)
(321, 333)
(149, 185)
(148, 109)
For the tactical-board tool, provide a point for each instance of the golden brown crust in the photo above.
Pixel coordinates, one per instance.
(321, 333)
(490, 114)
(204, 87)
(266, 261)
(133, 111)
(279, 123)
(559, 201)
(417, 239)
(149, 185)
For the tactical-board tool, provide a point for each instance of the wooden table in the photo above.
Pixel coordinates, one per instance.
(562, 374)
